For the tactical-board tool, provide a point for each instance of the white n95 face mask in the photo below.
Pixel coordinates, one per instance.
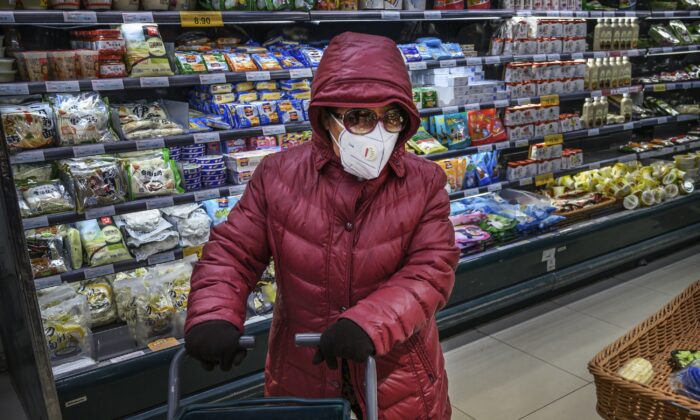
(365, 156)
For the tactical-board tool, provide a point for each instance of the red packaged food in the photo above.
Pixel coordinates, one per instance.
(111, 66)
(449, 4)
(485, 127)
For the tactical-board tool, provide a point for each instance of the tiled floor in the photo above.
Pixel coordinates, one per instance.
(533, 364)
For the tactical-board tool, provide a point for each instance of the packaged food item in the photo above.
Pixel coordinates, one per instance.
(637, 370)
(240, 62)
(46, 250)
(215, 62)
(188, 63)
(82, 118)
(102, 242)
(65, 4)
(176, 278)
(191, 221)
(266, 61)
(423, 143)
(218, 209)
(45, 197)
(94, 181)
(111, 67)
(86, 62)
(456, 131)
(681, 359)
(287, 61)
(28, 126)
(37, 65)
(267, 111)
(151, 173)
(62, 65)
(65, 317)
(155, 312)
(663, 36)
(108, 42)
(142, 120)
(147, 233)
(100, 300)
(127, 286)
(97, 4)
(37, 172)
(145, 51)
(247, 116)
(485, 127)
(681, 31)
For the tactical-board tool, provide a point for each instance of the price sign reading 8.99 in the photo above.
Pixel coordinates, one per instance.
(200, 19)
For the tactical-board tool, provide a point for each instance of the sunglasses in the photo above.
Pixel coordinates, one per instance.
(363, 120)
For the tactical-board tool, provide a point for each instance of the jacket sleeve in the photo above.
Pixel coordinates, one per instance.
(410, 298)
(232, 261)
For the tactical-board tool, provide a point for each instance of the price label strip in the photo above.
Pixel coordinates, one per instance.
(448, 63)
(210, 79)
(7, 17)
(35, 222)
(494, 187)
(257, 76)
(108, 84)
(200, 19)
(549, 100)
(525, 181)
(64, 86)
(100, 212)
(137, 17)
(88, 150)
(209, 137)
(154, 82)
(206, 195)
(104, 270)
(553, 139)
(163, 257)
(14, 89)
(160, 202)
(302, 73)
(661, 87)
(80, 17)
(272, 130)
(417, 65)
(150, 144)
(28, 157)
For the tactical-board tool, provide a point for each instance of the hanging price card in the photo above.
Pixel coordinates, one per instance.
(200, 19)
(154, 82)
(494, 187)
(80, 17)
(108, 84)
(525, 181)
(448, 63)
(417, 65)
(390, 15)
(432, 14)
(302, 73)
(209, 137)
(257, 76)
(7, 17)
(163, 343)
(553, 139)
(471, 191)
(209, 79)
(543, 179)
(14, 89)
(137, 17)
(549, 100)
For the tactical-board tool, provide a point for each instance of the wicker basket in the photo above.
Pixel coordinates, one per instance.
(607, 205)
(676, 326)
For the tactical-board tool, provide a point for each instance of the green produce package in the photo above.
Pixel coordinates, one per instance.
(102, 242)
(145, 50)
(151, 173)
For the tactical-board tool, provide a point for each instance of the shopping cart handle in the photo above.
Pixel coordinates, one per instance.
(371, 408)
(246, 342)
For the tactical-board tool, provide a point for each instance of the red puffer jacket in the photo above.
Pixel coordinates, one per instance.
(380, 253)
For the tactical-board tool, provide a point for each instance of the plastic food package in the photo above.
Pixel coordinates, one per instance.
(74, 246)
(240, 62)
(65, 317)
(681, 31)
(188, 63)
(191, 221)
(145, 50)
(82, 118)
(176, 277)
(45, 197)
(151, 173)
(218, 209)
(663, 36)
(126, 288)
(485, 127)
(27, 126)
(37, 172)
(46, 251)
(100, 299)
(102, 242)
(94, 181)
(147, 233)
(423, 143)
(155, 312)
(215, 62)
(141, 120)
(687, 381)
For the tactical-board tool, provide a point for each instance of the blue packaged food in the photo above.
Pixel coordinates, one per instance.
(210, 159)
(453, 50)
(216, 121)
(287, 61)
(424, 52)
(213, 184)
(305, 105)
(430, 41)
(233, 145)
(191, 169)
(191, 155)
(266, 61)
(290, 110)
(193, 148)
(247, 116)
(267, 111)
(198, 125)
(312, 56)
(214, 178)
(410, 52)
(437, 53)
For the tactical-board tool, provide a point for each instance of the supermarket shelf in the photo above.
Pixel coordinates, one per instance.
(681, 49)
(525, 101)
(86, 17)
(675, 14)
(55, 153)
(618, 157)
(407, 15)
(572, 135)
(586, 14)
(662, 87)
(133, 206)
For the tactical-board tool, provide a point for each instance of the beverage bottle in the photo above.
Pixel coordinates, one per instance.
(587, 114)
(626, 107)
(616, 34)
(597, 35)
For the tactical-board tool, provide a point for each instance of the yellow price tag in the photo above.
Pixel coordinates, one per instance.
(163, 343)
(200, 19)
(544, 179)
(553, 139)
(193, 250)
(660, 87)
(549, 100)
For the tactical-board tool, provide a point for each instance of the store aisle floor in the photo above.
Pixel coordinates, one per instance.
(533, 364)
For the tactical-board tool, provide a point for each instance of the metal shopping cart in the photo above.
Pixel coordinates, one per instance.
(279, 408)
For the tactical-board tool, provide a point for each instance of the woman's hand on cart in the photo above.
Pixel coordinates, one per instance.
(215, 343)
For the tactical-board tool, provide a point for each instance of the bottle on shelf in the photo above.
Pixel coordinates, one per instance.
(617, 31)
(598, 111)
(602, 72)
(629, 32)
(626, 72)
(604, 110)
(597, 35)
(626, 107)
(606, 35)
(615, 73)
(635, 33)
(587, 115)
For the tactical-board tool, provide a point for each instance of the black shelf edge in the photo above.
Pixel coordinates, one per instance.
(674, 14)
(665, 86)
(673, 50)
(406, 15)
(66, 152)
(593, 14)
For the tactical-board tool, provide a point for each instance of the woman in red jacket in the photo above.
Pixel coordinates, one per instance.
(363, 247)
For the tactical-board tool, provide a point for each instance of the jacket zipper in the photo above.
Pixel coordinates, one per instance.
(423, 357)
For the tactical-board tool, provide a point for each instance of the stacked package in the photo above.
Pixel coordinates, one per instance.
(524, 36)
(241, 165)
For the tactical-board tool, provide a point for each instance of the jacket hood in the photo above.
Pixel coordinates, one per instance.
(361, 70)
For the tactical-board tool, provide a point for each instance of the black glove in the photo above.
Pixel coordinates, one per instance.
(344, 340)
(215, 342)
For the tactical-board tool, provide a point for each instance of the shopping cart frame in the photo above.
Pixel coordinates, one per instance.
(248, 342)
